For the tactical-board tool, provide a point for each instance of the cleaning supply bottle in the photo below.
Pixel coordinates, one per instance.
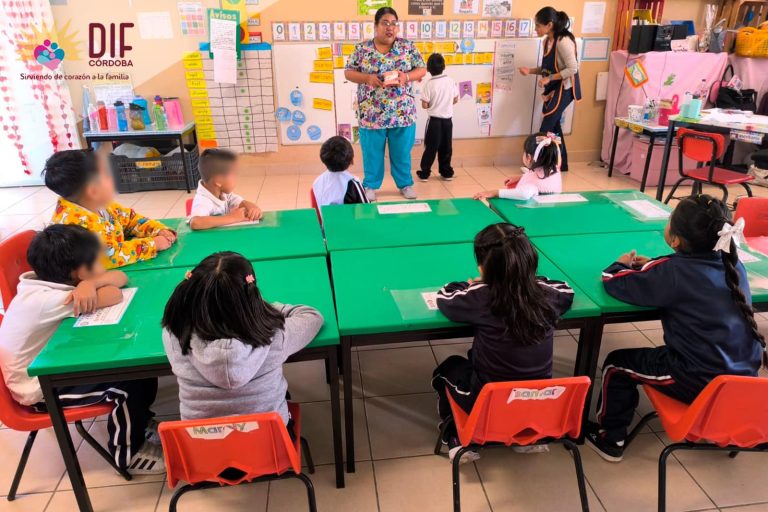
(703, 91)
(122, 121)
(112, 119)
(161, 123)
(93, 118)
(103, 120)
(86, 104)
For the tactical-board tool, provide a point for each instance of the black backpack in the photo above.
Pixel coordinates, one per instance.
(728, 98)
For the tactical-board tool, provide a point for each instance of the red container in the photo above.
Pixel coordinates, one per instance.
(665, 113)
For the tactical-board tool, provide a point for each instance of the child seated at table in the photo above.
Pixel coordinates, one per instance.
(703, 295)
(68, 279)
(541, 174)
(337, 185)
(227, 345)
(87, 191)
(514, 313)
(215, 203)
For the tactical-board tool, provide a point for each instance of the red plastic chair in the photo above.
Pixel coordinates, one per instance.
(730, 414)
(313, 202)
(215, 452)
(25, 419)
(706, 148)
(754, 210)
(188, 205)
(13, 263)
(522, 413)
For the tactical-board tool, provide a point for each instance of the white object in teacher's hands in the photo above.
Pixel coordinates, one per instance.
(385, 209)
(560, 198)
(647, 208)
(430, 299)
(110, 315)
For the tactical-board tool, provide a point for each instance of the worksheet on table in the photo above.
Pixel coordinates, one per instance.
(110, 315)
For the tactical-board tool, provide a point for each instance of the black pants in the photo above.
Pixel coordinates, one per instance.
(129, 418)
(553, 123)
(438, 140)
(623, 371)
(457, 376)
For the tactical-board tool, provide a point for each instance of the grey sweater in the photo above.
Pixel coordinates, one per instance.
(227, 377)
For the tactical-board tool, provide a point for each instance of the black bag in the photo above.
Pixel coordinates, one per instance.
(728, 98)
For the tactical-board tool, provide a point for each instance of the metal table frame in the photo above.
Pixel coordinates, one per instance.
(647, 131)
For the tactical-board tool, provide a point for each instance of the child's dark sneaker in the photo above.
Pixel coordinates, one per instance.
(423, 175)
(448, 176)
(454, 445)
(608, 450)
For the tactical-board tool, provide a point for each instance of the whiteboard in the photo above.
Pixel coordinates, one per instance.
(293, 64)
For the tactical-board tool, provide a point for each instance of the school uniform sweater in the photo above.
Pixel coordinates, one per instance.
(532, 183)
(495, 355)
(338, 188)
(705, 331)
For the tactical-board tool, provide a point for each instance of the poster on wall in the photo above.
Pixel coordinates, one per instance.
(192, 19)
(497, 8)
(504, 65)
(369, 7)
(593, 18)
(425, 7)
(466, 6)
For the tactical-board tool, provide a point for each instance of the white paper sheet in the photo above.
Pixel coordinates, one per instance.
(385, 209)
(747, 257)
(110, 315)
(593, 18)
(560, 198)
(155, 25)
(225, 66)
(430, 299)
(647, 208)
(243, 223)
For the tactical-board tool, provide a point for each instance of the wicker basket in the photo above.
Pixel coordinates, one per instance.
(752, 42)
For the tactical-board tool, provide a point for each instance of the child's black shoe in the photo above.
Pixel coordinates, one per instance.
(595, 439)
(423, 175)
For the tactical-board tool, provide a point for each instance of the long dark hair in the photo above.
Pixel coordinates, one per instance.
(549, 156)
(561, 23)
(220, 299)
(381, 12)
(696, 221)
(509, 263)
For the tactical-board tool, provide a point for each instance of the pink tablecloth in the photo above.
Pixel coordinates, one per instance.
(688, 68)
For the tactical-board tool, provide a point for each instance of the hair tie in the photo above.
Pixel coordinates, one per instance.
(249, 279)
(187, 274)
(730, 232)
(544, 141)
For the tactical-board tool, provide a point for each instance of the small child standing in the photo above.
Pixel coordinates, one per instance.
(215, 203)
(227, 346)
(438, 97)
(337, 185)
(541, 174)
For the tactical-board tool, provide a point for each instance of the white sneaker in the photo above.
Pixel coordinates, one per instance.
(408, 192)
(370, 194)
(534, 448)
(148, 460)
(151, 434)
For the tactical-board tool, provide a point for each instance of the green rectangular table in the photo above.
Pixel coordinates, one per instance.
(361, 226)
(378, 299)
(603, 212)
(280, 234)
(133, 348)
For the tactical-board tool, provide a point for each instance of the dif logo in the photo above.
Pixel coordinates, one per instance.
(107, 44)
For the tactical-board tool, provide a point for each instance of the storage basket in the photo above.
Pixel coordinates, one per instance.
(159, 173)
(752, 42)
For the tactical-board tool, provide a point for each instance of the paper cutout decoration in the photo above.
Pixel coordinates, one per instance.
(467, 45)
(322, 104)
(283, 114)
(344, 130)
(298, 117)
(465, 89)
(636, 74)
(324, 53)
(296, 98)
(314, 132)
(293, 133)
(483, 94)
(670, 80)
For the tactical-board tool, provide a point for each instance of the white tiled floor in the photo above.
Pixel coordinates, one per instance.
(395, 413)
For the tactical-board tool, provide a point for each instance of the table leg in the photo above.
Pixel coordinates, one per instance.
(665, 161)
(338, 455)
(648, 157)
(588, 353)
(349, 420)
(184, 162)
(66, 446)
(613, 149)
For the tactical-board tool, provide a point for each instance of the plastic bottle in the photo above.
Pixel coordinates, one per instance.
(103, 120)
(161, 122)
(93, 117)
(112, 119)
(137, 114)
(703, 91)
(138, 100)
(122, 121)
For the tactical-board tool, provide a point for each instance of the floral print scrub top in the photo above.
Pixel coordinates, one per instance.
(385, 107)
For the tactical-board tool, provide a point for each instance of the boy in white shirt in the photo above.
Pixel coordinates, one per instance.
(438, 97)
(337, 185)
(68, 279)
(215, 203)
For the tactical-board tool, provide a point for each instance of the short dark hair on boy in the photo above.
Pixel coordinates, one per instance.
(435, 64)
(215, 162)
(68, 172)
(337, 154)
(60, 249)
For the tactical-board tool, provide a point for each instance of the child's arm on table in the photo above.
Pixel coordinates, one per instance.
(457, 302)
(302, 323)
(214, 221)
(252, 211)
(99, 292)
(641, 281)
(138, 226)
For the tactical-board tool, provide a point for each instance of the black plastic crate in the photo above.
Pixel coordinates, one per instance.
(158, 173)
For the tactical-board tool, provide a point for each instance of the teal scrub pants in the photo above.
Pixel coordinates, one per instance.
(401, 142)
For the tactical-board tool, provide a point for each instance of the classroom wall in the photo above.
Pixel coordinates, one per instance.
(157, 67)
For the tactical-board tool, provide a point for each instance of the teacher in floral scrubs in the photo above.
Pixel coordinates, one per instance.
(384, 68)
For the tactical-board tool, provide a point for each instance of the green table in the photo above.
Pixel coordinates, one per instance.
(386, 306)
(361, 226)
(281, 234)
(133, 348)
(604, 212)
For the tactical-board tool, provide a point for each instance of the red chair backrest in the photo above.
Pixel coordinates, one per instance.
(188, 205)
(697, 145)
(13, 263)
(313, 202)
(524, 412)
(731, 410)
(200, 450)
(754, 210)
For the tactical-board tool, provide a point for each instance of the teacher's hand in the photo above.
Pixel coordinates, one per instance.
(524, 71)
(402, 78)
(544, 81)
(548, 97)
(373, 80)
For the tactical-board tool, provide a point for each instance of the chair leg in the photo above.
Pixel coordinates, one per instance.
(439, 444)
(571, 447)
(307, 455)
(747, 188)
(725, 194)
(310, 491)
(733, 454)
(100, 450)
(674, 189)
(22, 464)
(666, 452)
(456, 478)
